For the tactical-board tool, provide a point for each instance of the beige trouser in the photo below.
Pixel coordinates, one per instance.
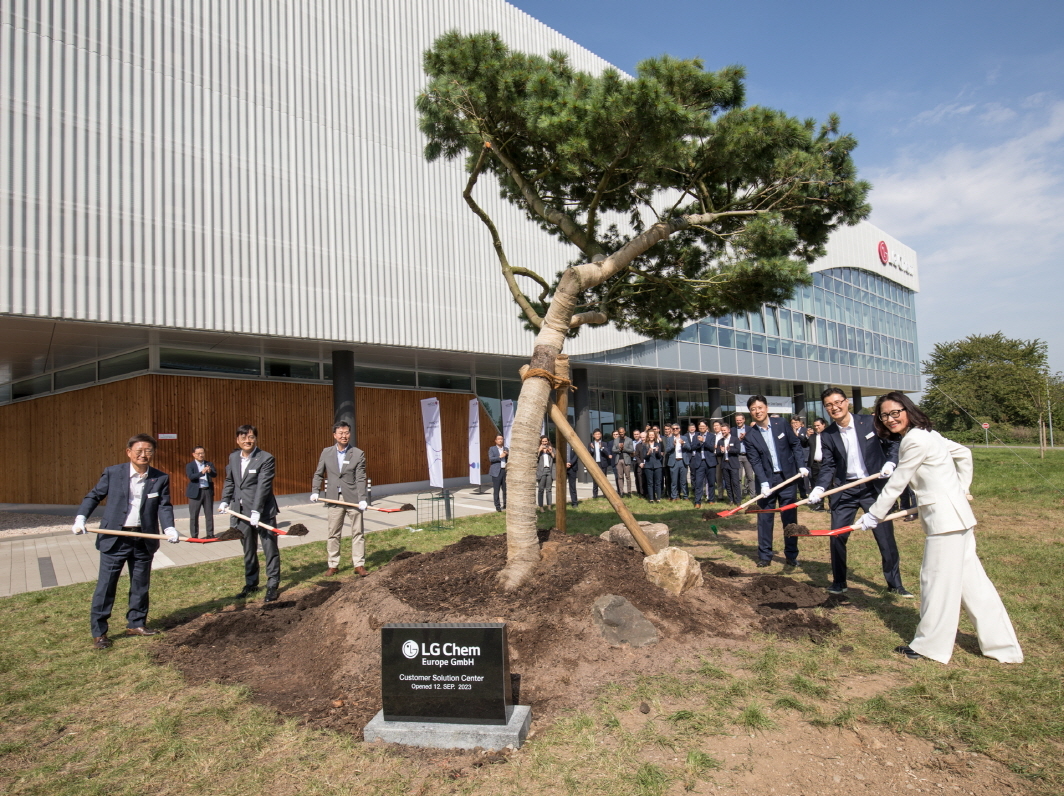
(952, 578)
(337, 516)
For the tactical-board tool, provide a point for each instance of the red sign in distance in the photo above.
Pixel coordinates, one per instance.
(986, 426)
(884, 254)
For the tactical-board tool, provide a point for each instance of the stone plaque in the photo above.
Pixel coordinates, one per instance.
(456, 673)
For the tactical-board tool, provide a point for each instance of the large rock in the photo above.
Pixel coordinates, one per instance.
(620, 622)
(673, 569)
(657, 533)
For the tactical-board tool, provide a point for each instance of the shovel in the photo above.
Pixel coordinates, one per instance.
(225, 537)
(752, 501)
(299, 529)
(404, 507)
(801, 530)
(842, 488)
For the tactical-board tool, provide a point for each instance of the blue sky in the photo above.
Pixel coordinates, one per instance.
(958, 108)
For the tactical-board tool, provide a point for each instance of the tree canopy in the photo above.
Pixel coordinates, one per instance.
(750, 194)
(994, 378)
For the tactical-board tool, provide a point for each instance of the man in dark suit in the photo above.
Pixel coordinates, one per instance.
(600, 452)
(572, 466)
(497, 455)
(852, 450)
(200, 492)
(677, 460)
(703, 462)
(249, 488)
(803, 436)
(745, 469)
(728, 449)
(816, 456)
(138, 500)
(637, 472)
(342, 471)
(775, 454)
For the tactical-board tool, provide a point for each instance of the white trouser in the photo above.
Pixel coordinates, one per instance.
(951, 578)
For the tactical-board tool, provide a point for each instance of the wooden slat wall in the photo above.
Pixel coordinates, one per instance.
(59, 444)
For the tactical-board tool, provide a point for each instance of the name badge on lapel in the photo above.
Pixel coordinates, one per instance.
(869, 435)
(153, 495)
(252, 471)
(780, 436)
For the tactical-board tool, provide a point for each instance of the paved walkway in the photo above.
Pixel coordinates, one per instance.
(34, 562)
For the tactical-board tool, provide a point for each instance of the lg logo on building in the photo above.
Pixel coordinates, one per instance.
(893, 259)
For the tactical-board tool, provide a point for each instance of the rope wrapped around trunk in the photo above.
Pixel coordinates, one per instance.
(556, 382)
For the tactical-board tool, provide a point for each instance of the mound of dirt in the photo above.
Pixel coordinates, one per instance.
(316, 655)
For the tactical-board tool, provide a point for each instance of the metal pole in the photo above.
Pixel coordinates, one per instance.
(986, 433)
(1049, 406)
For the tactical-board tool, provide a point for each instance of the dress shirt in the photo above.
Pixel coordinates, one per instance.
(742, 435)
(204, 483)
(855, 467)
(136, 497)
(725, 440)
(678, 444)
(244, 462)
(818, 452)
(340, 455)
(546, 459)
(771, 444)
(598, 451)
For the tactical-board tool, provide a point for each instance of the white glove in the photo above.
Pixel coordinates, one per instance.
(765, 489)
(816, 495)
(802, 471)
(254, 521)
(222, 508)
(866, 523)
(314, 497)
(887, 470)
(362, 505)
(171, 535)
(79, 525)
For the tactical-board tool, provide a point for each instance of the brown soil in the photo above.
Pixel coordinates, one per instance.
(321, 647)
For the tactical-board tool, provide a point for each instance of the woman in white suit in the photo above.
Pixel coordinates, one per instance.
(951, 575)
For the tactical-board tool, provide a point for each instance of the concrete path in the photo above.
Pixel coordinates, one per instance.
(34, 562)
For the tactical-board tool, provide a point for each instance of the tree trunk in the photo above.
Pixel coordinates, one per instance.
(522, 541)
(561, 400)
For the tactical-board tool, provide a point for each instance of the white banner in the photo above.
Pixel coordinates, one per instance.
(430, 418)
(474, 441)
(507, 420)
(777, 404)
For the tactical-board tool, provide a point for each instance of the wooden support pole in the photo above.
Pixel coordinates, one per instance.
(561, 455)
(629, 520)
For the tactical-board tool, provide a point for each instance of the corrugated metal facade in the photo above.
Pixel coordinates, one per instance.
(249, 167)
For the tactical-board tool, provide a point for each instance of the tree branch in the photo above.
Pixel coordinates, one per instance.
(507, 270)
(590, 317)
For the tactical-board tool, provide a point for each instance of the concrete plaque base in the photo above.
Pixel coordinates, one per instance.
(440, 735)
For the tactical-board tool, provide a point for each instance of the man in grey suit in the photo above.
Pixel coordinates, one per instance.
(249, 488)
(343, 468)
(497, 455)
(138, 499)
(622, 453)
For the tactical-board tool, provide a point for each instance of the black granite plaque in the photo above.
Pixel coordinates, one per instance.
(458, 673)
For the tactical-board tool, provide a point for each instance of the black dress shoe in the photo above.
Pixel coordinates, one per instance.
(764, 562)
(791, 562)
(141, 631)
(246, 592)
(271, 595)
(909, 652)
(101, 642)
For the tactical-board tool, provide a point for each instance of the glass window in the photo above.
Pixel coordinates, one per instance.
(742, 341)
(689, 335)
(489, 388)
(386, 377)
(822, 332)
(326, 371)
(724, 320)
(757, 322)
(772, 324)
(205, 361)
(799, 325)
(810, 329)
(707, 335)
(851, 338)
(757, 343)
(772, 345)
(818, 303)
(818, 279)
(785, 323)
(725, 338)
(443, 381)
(130, 363)
(833, 335)
(291, 369)
(787, 348)
(853, 359)
(72, 377)
(741, 321)
(833, 353)
(511, 390)
(821, 353)
(29, 387)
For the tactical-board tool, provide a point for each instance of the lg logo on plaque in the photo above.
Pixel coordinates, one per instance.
(410, 648)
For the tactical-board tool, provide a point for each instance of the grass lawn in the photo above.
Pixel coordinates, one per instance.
(77, 721)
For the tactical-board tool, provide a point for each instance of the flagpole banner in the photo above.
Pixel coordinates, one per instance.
(474, 441)
(430, 418)
(507, 420)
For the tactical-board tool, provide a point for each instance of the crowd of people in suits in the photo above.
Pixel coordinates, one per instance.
(891, 455)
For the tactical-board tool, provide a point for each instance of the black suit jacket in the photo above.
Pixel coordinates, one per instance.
(788, 450)
(876, 452)
(155, 507)
(254, 490)
(192, 491)
(731, 445)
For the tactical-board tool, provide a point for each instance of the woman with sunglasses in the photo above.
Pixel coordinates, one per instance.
(951, 575)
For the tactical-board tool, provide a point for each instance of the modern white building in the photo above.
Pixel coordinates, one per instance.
(236, 190)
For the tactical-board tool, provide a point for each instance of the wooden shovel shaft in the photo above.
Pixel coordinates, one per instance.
(753, 500)
(137, 534)
(261, 523)
(806, 501)
(897, 515)
(339, 502)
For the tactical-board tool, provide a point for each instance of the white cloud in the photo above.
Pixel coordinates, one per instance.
(987, 222)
